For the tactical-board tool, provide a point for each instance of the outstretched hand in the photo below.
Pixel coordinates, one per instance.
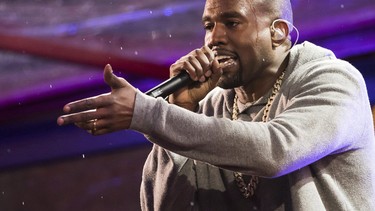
(103, 113)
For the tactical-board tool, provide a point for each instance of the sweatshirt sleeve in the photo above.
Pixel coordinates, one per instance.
(316, 114)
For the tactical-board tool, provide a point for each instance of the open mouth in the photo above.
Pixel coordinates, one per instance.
(225, 61)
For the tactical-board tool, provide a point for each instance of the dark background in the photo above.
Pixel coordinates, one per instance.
(53, 52)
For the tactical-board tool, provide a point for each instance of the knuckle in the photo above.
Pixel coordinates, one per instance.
(185, 65)
(174, 68)
(87, 117)
(88, 103)
(191, 58)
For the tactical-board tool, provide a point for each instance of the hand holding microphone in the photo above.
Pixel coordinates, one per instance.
(194, 75)
(173, 84)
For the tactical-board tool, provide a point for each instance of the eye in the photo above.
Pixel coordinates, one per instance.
(232, 24)
(208, 26)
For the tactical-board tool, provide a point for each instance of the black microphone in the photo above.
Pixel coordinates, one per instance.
(177, 82)
(170, 86)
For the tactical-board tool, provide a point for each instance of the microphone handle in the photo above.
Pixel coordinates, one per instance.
(170, 86)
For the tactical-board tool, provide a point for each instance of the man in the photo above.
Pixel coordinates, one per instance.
(265, 126)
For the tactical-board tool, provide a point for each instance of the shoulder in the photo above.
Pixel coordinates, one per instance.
(311, 64)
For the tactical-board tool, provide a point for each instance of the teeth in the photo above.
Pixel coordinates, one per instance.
(221, 57)
(227, 63)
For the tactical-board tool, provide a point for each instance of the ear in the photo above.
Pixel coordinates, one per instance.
(279, 32)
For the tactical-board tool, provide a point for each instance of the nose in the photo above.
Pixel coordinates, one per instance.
(216, 36)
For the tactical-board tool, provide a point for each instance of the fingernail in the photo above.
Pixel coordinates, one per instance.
(60, 121)
(66, 109)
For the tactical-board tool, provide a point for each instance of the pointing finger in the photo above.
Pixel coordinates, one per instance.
(87, 104)
(85, 116)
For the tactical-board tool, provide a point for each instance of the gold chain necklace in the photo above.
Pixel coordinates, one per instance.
(248, 190)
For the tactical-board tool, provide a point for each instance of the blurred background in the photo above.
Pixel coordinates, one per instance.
(53, 52)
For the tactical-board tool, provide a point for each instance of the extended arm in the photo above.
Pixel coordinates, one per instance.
(323, 117)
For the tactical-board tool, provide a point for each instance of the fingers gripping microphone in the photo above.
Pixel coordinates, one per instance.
(177, 82)
(170, 86)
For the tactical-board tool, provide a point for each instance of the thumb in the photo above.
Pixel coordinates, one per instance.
(112, 80)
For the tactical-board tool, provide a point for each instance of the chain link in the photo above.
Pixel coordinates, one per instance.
(248, 190)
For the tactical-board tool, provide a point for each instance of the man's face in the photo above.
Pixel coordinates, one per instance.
(239, 34)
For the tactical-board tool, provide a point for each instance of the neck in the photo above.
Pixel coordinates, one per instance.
(262, 84)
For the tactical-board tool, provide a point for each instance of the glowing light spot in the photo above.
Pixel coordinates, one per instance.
(168, 12)
(154, 35)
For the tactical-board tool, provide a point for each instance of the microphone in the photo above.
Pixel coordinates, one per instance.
(170, 86)
(177, 82)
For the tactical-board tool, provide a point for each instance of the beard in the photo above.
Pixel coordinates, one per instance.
(230, 81)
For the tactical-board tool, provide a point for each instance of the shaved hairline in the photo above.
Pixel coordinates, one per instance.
(275, 9)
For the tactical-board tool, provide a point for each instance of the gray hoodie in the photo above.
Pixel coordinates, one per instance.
(317, 151)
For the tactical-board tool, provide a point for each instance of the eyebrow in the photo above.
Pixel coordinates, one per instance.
(225, 15)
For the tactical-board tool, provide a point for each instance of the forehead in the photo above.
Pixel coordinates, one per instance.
(215, 8)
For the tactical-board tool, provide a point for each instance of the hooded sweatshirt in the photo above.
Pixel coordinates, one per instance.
(315, 152)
